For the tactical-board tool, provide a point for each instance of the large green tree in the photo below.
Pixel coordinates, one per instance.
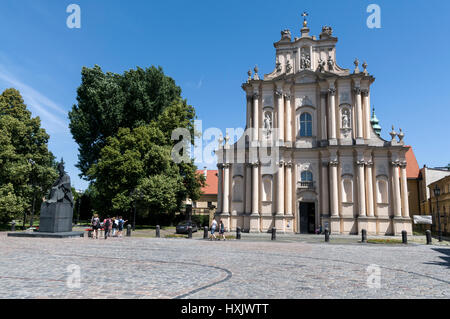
(109, 101)
(123, 125)
(27, 167)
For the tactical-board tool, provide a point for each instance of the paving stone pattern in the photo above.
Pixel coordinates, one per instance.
(182, 268)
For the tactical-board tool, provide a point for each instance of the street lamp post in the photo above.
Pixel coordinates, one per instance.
(134, 192)
(80, 193)
(437, 193)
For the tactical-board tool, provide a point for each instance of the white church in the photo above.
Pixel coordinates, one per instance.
(310, 157)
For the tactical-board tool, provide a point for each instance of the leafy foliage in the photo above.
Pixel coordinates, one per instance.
(123, 125)
(22, 139)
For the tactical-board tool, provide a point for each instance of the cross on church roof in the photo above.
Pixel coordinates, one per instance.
(304, 15)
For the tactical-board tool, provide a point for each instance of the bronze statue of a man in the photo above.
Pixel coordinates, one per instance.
(61, 190)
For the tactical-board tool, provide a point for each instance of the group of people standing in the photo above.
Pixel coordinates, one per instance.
(214, 226)
(112, 227)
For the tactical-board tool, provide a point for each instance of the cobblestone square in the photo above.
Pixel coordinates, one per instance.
(181, 268)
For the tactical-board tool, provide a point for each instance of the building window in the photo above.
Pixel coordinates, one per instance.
(348, 190)
(306, 176)
(267, 188)
(382, 195)
(305, 125)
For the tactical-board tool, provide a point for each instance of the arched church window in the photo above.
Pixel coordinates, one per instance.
(267, 188)
(237, 188)
(305, 125)
(348, 190)
(306, 176)
(382, 196)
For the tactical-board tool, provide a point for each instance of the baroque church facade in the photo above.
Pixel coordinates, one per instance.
(310, 157)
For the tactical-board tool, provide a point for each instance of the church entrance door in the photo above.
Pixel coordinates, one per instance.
(307, 214)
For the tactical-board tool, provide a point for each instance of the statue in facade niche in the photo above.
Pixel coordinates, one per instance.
(305, 61)
(267, 124)
(288, 66)
(346, 119)
(330, 63)
(321, 65)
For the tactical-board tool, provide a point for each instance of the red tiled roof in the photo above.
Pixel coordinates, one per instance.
(212, 182)
(412, 167)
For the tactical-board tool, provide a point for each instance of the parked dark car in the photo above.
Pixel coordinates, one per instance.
(182, 228)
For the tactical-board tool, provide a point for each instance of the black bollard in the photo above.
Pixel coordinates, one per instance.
(129, 231)
(205, 232)
(190, 232)
(13, 226)
(364, 236)
(158, 233)
(428, 234)
(404, 237)
(238, 232)
(274, 233)
(327, 235)
(89, 233)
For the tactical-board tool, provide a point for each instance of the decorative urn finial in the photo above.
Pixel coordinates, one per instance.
(356, 63)
(393, 133)
(401, 136)
(249, 73)
(364, 65)
(256, 76)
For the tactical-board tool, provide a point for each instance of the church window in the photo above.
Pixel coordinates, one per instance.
(306, 176)
(267, 188)
(305, 125)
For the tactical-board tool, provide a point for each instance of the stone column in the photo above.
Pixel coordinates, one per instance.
(361, 189)
(323, 111)
(359, 124)
(248, 188)
(405, 203)
(280, 189)
(287, 97)
(370, 199)
(334, 189)
(366, 107)
(226, 191)
(280, 103)
(325, 194)
(289, 189)
(220, 187)
(255, 116)
(249, 110)
(397, 197)
(332, 113)
(255, 188)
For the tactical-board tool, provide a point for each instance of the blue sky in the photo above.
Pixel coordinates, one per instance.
(208, 46)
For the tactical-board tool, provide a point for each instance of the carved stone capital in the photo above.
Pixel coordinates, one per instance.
(325, 164)
(256, 95)
(289, 164)
(365, 93)
(220, 166)
(279, 93)
(255, 164)
(323, 94)
(357, 90)
(287, 96)
(403, 164)
(360, 163)
(369, 164)
(281, 163)
(334, 163)
(395, 163)
(332, 91)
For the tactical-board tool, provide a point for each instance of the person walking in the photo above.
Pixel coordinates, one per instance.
(120, 224)
(95, 224)
(213, 229)
(114, 226)
(221, 230)
(107, 226)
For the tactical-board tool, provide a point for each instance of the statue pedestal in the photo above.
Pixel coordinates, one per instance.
(56, 218)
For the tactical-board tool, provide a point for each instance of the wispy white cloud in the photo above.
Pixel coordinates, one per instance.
(53, 117)
(196, 85)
